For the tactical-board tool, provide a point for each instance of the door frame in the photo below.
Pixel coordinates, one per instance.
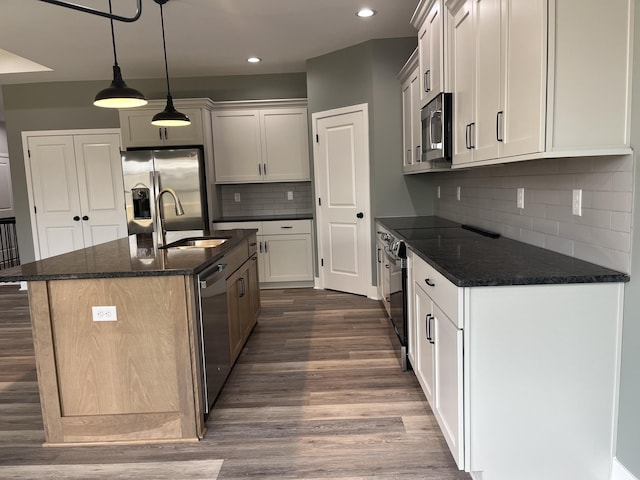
(371, 290)
(27, 168)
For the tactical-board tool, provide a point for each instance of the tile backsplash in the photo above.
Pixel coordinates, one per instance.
(601, 235)
(259, 199)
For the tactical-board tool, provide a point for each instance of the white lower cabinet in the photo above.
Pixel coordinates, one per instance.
(285, 249)
(522, 379)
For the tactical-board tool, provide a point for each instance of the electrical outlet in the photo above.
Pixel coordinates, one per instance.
(577, 202)
(104, 314)
(520, 198)
(236, 197)
(438, 191)
(289, 195)
(458, 192)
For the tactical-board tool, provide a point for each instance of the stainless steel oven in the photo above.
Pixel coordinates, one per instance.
(396, 258)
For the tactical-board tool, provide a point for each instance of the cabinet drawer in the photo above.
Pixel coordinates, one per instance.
(236, 257)
(281, 227)
(443, 293)
(237, 225)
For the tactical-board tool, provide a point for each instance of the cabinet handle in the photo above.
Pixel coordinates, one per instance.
(378, 256)
(499, 116)
(159, 133)
(430, 334)
(266, 247)
(427, 81)
(85, 218)
(386, 265)
(408, 156)
(466, 136)
(260, 247)
(166, 134)
(260, 169)
(286, 226)
(418, 159)
(472, 127)
(242, 287)
(76, 218)
(429, 282)
(264, 168)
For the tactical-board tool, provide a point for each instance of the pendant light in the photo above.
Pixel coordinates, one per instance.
(169, 117)
(118, 94)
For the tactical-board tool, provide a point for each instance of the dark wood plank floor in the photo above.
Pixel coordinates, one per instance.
(317, 393)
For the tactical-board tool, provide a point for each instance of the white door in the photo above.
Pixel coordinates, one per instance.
(100, 186)
(343, 213)
(6, 195)
(56, 202)
(75, 190)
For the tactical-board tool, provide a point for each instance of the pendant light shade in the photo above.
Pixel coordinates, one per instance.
(169, 117)
(118, 94)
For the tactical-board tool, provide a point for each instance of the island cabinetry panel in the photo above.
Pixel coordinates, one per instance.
(259, 144)
(123, 380)
(498, 363)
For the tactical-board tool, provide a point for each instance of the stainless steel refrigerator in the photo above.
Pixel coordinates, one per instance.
(147, 172)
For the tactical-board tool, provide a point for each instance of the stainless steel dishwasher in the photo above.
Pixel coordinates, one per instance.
(214, 330)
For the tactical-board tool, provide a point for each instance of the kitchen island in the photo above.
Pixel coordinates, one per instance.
(118, 335)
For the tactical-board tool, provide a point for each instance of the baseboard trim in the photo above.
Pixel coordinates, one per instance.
(619, 472)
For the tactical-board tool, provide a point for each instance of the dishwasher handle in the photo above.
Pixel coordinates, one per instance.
(211, 274)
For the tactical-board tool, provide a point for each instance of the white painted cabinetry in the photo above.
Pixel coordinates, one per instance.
(137, 130)
(261, 142)
(429, 20)
(285, 249)
(521, 374)
(523, 79)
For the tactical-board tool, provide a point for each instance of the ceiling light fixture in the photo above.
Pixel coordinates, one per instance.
(118, 94)
(254, 60)
(169, 117)
(366, 13)
(93, 11)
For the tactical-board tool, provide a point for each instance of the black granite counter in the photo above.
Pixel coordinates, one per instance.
(292, 216)
(135, 256)
(469, 259)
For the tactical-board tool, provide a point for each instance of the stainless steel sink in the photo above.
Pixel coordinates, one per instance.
(197, 242)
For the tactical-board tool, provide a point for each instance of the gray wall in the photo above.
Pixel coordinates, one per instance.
(68, 105)
(628, 447)
(368, 73)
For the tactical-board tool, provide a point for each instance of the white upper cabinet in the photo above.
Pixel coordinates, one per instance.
(524, 79)
(429, 20)
(137, 131)
(259, 142)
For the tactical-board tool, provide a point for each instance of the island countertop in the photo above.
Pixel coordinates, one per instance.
(134, 256)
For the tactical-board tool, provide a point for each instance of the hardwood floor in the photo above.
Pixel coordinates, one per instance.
(317, 393)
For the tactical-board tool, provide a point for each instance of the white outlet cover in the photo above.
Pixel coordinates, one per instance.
(289, 195)
(520, 198)
(236, 197)
(576, 206)
(438, 190)
(458, 193)
(104, 313)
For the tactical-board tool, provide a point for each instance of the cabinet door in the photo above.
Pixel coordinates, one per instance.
(462, 84)
(236, 146)
(254, 294)
(407, 125)
(448, 407)
(239, 306)
(525, 76)
(487, 22)
(137, 130)
(285, 144)
(431, 54)
(288, 258)
(424, 326)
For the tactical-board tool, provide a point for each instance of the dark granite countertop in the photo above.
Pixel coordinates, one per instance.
(134, 256)
(293, 216)
(469, 259)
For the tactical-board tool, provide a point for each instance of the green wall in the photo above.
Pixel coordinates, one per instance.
(68, 106)
(368, 73)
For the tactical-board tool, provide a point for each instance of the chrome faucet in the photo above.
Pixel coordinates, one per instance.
(179, 212)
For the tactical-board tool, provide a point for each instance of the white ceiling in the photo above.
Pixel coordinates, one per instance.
(204, 37)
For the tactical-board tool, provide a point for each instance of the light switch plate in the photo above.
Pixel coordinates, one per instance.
(576, 207)
(104, 314)
(520, 199)
(289, 195)
(236, 197)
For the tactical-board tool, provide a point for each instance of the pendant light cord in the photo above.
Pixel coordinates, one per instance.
(164, 48)
(113, 38)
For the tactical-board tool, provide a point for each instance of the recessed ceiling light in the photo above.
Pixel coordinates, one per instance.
(366, 12)
(254, 60)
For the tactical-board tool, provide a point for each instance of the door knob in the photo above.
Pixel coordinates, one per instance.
(76, 218)
(360, 215)
(85, 218)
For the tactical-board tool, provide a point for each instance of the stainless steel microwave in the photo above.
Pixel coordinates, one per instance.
(437, 131)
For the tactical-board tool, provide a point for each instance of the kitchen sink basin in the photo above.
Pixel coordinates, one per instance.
(197, 242)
